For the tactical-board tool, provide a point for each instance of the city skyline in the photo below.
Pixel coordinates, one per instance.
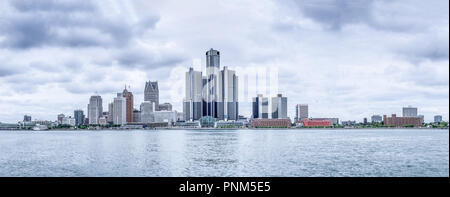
(375, 59)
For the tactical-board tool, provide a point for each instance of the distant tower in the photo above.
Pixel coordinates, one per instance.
(79, 117)
(129, 104)
(301, 112)
(119, 108)
(279, 107)
(95, 109)
(151, 93)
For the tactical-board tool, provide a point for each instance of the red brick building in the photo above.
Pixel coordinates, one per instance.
(268, 123)
(316, 123)
(129, 105)
(402, 121)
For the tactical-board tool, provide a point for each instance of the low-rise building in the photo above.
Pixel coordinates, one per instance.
(438, 119)
(310, 122)
(68, 121)
(229, 124)
(402, 121)
(188, 124)
(271, 123)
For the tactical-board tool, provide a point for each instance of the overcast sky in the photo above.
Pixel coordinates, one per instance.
(346, 59)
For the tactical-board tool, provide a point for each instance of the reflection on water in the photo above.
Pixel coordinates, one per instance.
(225, 153)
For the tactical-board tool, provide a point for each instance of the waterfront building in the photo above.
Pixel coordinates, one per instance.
(207, 121)
(95, 109)
(422, 117)
(214, 95)
(271, 123)
(409, 111)
(103, 121)
(318, 122)
(376, 119)
(229, 124)
(26, 118)
(129, 104)
(365, 121)
(165, 116)
(438, 119)
(189, 124)
(279, 107)
(349, 123)
(260, 107)
(119, 108)
(151, 93)
(136, 115)
(147, 112)
(60, 118)
(334, 121)
(79, 116)
(68, 121)
(165, 107)
(402, 121)
(301, 112)
(192, 105)
(110, 112)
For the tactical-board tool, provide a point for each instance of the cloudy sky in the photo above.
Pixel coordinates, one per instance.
(347, 59)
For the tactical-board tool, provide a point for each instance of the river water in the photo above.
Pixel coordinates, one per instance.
(168, 153)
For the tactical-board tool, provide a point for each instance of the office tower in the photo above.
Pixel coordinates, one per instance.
(409, 111)
(279, 107)
(376, 118)
(60, 118)
(110, 112)
(129, 104)
(227, 98)
(165, 107)
(151, 93)
(438, 119)
(214, 95)
(192, 105)
(301, 112)
(136, 115)
(260, 107)
(147, 112)
(79, 116)
(119, 109)
(95, 109)
(26, 118)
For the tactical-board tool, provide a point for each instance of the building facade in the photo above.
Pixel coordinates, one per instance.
(279, 107)
(79, 117)
(376, 119)
(260, 107)
(26, 118)
(95, 109)
(214, 95)
(165, 107)
(136, 115)
(151, 93)
(308, 122)
(129, 104)
(409, 111)
(402, 121)
(438, 119)
(147, 112)
(271, 123)
(301, 112)
(119, 110)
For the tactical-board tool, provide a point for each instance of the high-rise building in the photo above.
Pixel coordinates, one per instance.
(110, 112)
(119, 109)
(279, 107)
(438, 119)
(26, 118)
(409, 111)
(151, 93)
(79, 117)
(129, 104)
(260, 107)
(365, 121)
(147, 112)
(95, 109)
(376, 118)
(214, 95)
(301, 112)
(192, 105)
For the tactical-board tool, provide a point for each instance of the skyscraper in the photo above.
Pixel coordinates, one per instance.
(119, 109)
(279, 107)
(151, 93)
(301, 111)
(95, 109)
(110, 112)
(260, 107)
(27, 118)
(192, 105)
(79, 117)
(409, 111)
(129, 104)
(214, 95)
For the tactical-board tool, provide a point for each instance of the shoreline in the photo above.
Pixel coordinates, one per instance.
(225, 129)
